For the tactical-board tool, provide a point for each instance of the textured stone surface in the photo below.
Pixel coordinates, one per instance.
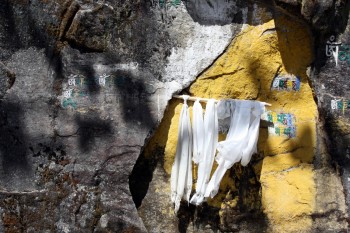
(294, 173)
(84, 84)
(69, 137)
(330, 79)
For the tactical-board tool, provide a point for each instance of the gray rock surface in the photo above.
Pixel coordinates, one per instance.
(83, 84)
(329, 76)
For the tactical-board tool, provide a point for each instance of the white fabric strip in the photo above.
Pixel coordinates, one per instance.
(253, 135)
(181, 173)
(198, 132)
(209, 150)
(241, 140)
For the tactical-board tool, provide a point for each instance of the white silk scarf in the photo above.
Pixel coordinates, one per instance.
(241, 140)
(181, 172)
(198, 132)
(205, 135)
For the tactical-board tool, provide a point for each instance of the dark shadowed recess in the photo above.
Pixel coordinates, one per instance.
(223, 12)
(327, 79)
(90, 128)
(337, 20)
(13, 141)
(10, 41)
(17, 168)
(134, 100)
(142, 175)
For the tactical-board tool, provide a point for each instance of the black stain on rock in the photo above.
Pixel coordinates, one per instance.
(90, 128)
(13, 141)
(134, 100)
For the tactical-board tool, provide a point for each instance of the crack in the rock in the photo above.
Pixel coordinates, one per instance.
(67, 135)
(68, 16)
(10, 74)
(103, 164)
(81, 203)
(268, 30)
(223, 74)
(2, 192)
(97, 213)
(213, 62)
(286, 170)
(76, 133)
(328, 214)
(330, 95)
(288, 151)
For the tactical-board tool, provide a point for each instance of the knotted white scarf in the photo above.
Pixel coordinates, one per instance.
(181, 172)
(205, 137)
(241, 140)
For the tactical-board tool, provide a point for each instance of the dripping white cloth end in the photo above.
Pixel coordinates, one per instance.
(241, 140)
(208, 150)
(181, 172)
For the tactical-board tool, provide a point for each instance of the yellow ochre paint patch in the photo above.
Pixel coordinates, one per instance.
(246, 71)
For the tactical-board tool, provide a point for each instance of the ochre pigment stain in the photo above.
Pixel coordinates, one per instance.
(246, 71)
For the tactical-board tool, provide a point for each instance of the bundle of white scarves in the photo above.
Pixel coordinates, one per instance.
(201, 141)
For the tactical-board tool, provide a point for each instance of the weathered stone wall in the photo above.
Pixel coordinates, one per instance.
(88, 127)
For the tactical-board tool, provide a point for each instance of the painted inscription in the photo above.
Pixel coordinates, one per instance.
(81, 81)
(78, 91)
(338, 50)
(282, 124)
(175, 3)
(286, 82)
(344, 53)
(340, 105)
(332, 47)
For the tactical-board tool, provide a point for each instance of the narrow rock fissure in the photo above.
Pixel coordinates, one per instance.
(142, 175)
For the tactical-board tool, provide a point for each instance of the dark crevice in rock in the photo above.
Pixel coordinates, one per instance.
(246, 214)
(142, 175)
(329, 83)
(14, 142)
(68, 14)
(292, 8)
(82, 49)
(205, 216)
(11, 40)
(186, 215)
(7, 79)
(327, 214)
(242, 209)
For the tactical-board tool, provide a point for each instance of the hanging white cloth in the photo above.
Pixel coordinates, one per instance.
(241, 140)
(253, 134)
(181, 172)
(198, 131)
(208, 138)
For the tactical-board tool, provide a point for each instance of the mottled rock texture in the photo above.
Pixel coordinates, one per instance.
(84, 86)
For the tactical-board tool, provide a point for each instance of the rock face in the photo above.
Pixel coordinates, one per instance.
(88, 128)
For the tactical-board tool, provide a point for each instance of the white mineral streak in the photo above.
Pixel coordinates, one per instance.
(101, 68)
(206, 44)
(245, 18)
